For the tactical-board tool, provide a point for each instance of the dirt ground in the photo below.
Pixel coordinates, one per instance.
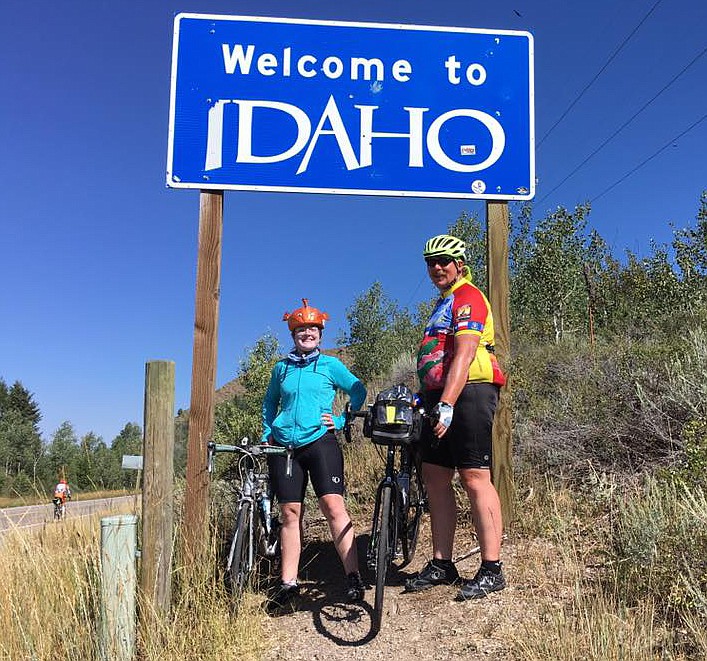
(427, 625)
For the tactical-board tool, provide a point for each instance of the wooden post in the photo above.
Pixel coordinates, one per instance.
(203, 376)
(157, 491)
(497, 231)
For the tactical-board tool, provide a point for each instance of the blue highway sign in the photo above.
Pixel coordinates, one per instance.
(293, 105)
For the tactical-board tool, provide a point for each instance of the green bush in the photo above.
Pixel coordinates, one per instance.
(621, 406)
(658, 549)
(694, 465)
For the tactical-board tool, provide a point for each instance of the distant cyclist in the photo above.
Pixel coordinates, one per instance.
(62, 493)
(297, 413)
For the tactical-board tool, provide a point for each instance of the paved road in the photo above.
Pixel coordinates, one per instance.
(33, 516)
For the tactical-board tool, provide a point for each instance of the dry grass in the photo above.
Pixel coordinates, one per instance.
(49, 585)
(570, 601)
(572, 616)
(592, 627)
(588, 610)
(49, 604)
(204, 625)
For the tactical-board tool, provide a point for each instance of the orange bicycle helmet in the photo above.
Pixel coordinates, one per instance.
(305, 316)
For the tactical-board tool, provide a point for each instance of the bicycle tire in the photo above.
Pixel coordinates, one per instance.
(385, 540)
(238, 562)
(411, 515)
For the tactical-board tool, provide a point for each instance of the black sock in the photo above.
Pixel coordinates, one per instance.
(442, 564)
(494, 566)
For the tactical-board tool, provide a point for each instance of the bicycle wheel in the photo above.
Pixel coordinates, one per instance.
(385, 547)
(239, 561)
(411, 515)
(57, 512)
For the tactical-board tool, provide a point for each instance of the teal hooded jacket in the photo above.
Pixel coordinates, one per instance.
(298, 394)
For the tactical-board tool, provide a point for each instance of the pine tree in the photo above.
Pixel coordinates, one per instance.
(21, 449)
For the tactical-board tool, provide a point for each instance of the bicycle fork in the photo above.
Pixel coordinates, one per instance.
(389, 481)
(271, 525)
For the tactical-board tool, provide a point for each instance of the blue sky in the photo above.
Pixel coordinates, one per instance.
(99, 257)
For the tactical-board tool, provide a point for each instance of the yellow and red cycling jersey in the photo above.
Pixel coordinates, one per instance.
(462, 309)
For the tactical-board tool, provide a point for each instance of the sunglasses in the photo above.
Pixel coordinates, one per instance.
(306, 329)
(442, 260)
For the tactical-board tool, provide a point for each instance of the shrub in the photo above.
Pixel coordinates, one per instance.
(658, 550)
(622, 406)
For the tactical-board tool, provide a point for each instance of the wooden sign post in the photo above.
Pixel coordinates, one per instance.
(497, 231)
(203, 378)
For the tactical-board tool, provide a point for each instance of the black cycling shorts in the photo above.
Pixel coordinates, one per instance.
(322, 462)
(467, 443)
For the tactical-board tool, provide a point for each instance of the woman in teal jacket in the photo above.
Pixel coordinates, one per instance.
(297, 413)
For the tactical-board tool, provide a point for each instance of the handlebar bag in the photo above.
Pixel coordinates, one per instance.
(394, 418)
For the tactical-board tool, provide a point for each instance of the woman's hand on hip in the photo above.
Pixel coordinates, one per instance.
(328, 421)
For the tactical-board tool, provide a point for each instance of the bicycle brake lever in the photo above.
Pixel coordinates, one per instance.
(433, 418)
(347, 422)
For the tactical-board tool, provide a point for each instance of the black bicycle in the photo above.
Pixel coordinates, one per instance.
(393, 423)
(59, 509)
(256, 533)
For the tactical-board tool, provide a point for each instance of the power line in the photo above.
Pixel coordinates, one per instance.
(414, 291)
(592, 81)
(623, 126)
(650, 158)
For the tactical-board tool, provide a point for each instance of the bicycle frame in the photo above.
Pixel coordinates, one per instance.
(249, 496)
(400, 478)
(389, 480)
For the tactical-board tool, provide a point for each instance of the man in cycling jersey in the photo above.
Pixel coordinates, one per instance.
(460, 381)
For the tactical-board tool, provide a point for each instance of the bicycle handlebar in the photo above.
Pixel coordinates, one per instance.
(350, 416)
(249, 451)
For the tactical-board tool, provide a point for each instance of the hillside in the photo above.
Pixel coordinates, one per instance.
(234, 388)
